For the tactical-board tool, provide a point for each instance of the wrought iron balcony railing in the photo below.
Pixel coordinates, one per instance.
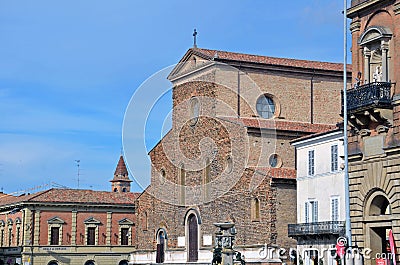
(372, 95)
(318, 228)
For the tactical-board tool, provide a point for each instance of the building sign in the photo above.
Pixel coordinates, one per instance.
(12, 250)
(55, 248)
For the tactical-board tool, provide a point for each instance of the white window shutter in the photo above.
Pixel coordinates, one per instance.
(306, 214)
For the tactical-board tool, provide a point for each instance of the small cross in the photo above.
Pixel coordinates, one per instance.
(194, 38)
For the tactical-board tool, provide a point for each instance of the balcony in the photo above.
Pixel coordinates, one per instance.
(374, 95)
(314, 229)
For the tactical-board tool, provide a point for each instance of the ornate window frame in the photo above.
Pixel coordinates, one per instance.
(18, 223)
(125, 223)
(92, 222)
(10, 231)
(277, 107)
(375, 43)
(2, 233)
(55, 222)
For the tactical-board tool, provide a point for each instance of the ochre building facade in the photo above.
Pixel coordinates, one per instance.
(373, 111)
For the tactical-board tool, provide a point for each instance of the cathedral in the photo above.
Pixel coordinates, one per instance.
(228, 156)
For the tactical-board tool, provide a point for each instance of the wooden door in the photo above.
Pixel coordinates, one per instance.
(160, 248)
(91, 236)
(193, 238)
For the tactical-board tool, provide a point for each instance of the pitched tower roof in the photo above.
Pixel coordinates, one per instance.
(121, 172)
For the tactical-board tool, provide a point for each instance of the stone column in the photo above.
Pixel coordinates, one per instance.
(73, 228)
(367, 59)
(385, 70)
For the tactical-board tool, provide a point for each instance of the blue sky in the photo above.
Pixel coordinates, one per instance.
(69, 68)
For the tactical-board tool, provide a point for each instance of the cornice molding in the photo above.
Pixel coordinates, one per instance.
(352, 11)
(396, 8)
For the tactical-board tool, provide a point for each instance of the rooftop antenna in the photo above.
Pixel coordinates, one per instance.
(194, 38)
(77, 164)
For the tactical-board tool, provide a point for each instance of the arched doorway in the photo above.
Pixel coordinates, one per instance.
(378, 222)
(161, 236)
(123, 262)
(193, 240)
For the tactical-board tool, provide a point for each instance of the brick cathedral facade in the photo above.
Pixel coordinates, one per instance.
(228, 157)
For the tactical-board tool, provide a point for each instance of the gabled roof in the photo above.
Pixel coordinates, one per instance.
(226, 57)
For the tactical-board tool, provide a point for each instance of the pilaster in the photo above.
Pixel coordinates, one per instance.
(73, 228)
(37, 228)
(109, 219)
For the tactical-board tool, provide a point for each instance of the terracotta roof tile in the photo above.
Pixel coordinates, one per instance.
(242, 57)
(73, 196)
(278, 173)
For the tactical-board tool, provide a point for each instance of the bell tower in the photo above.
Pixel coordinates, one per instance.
(121, 181)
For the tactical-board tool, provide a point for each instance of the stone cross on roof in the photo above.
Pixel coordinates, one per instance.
(194, 38)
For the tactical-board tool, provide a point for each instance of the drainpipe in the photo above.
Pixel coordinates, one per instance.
(238, 93)
(346, 156)
(312, 98)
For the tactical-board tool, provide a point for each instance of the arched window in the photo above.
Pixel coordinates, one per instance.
(123, 262)
(90, 262)
(375, 42)
(182, 183)
(162, 176)
(255, 209)
(265, 107)
(206, 179)
(229, 164)
(194, 110)
(53, 262)
(379, 206)
(145, 221)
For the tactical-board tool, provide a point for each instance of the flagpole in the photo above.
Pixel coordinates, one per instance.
(345, 142)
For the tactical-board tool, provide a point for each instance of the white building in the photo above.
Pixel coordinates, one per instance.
(320, 197)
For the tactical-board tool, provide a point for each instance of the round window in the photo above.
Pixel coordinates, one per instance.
(275, 160)
(265, 107)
